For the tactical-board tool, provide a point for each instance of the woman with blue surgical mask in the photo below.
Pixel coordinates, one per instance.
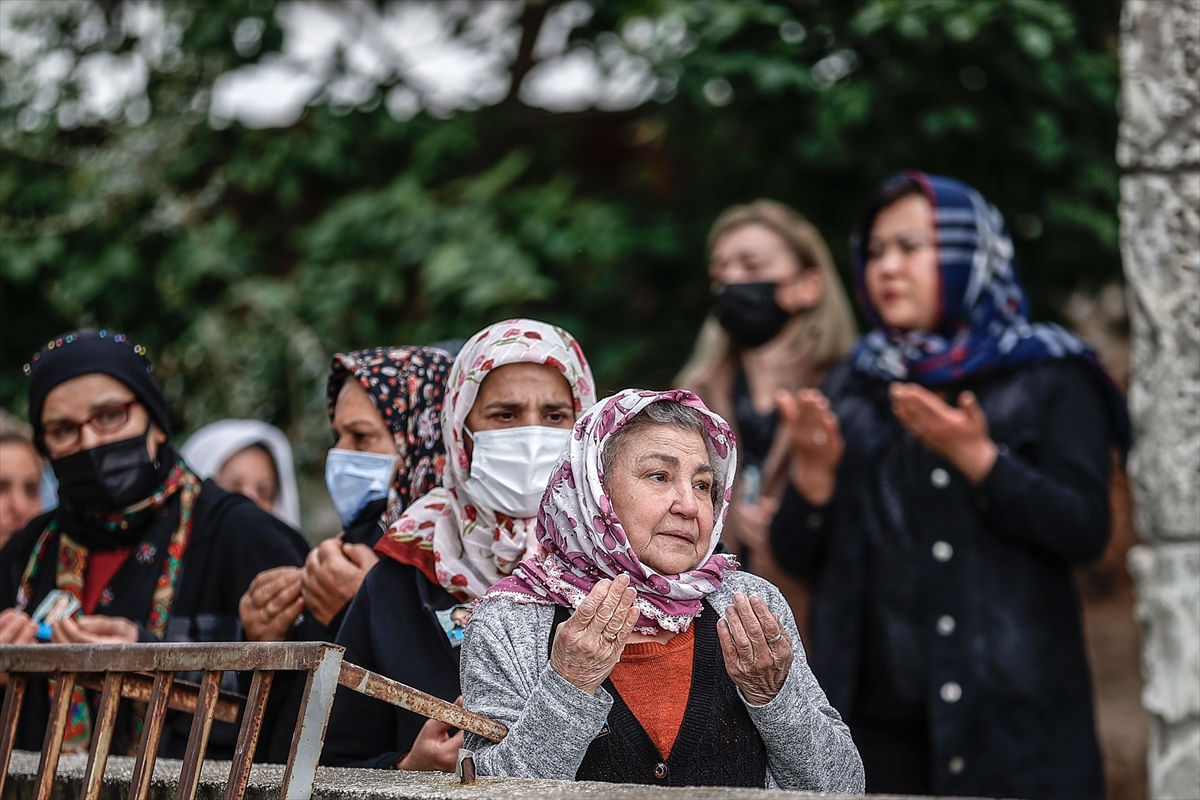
(385, 407)
(512, 398)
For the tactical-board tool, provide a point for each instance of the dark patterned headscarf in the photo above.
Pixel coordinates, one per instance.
(407, 386)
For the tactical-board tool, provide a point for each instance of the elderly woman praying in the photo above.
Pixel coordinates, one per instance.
(628, 650)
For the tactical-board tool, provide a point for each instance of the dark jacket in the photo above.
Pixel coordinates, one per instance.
(276, 745)
(952, 604)
(391, 628)
(232, 540)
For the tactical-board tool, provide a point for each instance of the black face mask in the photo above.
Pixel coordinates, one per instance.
(749, 314)
(108, 477)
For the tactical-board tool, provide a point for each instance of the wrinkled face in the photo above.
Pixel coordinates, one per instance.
(251, 471)
(20, 481)
(903, 277)
(660, 485)
(521, 395)
(754, 253)
(357, 423)
(91, 410)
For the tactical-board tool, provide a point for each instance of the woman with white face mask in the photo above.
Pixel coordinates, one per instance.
(513, 395)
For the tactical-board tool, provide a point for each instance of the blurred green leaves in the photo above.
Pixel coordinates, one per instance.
(243, 259)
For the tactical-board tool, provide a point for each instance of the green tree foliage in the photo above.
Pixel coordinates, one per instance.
(244, 258)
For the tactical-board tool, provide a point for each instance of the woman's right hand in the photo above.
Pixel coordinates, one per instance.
(816, 443)
(17, 627)
(588, 645)
(435, 748)
(271, 605)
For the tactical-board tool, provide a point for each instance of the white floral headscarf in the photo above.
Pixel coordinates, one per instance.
(459, 543)
(583, 541)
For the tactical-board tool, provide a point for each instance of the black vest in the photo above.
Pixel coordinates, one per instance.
(717, 744)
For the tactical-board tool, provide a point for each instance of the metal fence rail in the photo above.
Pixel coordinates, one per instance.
(146, 673)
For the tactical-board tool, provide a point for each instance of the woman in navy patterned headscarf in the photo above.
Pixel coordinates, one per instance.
(944, 483)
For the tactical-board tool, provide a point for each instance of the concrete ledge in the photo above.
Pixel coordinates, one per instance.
(358, 784)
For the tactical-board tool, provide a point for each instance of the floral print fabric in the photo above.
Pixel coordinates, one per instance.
(460, 544)
(583, 541)
(408, 386)
(70, 569)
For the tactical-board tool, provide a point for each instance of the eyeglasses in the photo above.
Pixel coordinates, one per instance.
(64, 435)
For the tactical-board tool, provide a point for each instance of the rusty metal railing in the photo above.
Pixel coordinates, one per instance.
(146, 672)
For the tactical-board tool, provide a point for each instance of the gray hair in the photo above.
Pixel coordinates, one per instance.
(675, 415)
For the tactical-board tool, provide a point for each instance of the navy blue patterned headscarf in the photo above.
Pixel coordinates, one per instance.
(983, 322)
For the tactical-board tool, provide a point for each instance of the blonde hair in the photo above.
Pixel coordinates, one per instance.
(828, 327)
(14, 429)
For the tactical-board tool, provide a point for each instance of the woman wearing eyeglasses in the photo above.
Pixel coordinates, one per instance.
(150, 552)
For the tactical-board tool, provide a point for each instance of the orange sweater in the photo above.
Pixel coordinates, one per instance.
(655, 680)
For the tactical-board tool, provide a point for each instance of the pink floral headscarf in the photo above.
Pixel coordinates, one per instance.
(459, 543)
(583, 541)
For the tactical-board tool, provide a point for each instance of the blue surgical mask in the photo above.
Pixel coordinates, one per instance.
(356, 479)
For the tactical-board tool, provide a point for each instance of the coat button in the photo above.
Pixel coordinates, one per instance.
(957, 765)
(939, 478)
(951, 692)
(661, 771)
(813, 521)
(945, 625)
(942, 551)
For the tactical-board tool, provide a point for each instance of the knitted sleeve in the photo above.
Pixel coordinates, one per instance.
(808, 745)
(506, 675)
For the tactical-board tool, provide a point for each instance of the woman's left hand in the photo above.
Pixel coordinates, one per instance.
(758, 651)
(960, 435)
(97, 629)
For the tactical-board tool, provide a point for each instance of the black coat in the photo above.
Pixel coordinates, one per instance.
(390, 628)
(952, 604)
(232, 540)
(275, 745)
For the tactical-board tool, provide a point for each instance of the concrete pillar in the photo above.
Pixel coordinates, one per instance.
(1159, 150)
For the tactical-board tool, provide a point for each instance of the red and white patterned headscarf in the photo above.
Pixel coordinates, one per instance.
(459, 543)
(582, 539)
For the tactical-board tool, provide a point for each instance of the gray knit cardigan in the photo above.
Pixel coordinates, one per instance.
(506, 675)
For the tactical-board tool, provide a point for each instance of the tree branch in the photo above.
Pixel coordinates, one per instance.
(531, 19)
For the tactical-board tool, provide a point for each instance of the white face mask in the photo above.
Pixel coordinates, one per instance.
(355, 479)
(511, 467)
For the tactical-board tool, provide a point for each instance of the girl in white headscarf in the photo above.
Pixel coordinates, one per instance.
(251, 458)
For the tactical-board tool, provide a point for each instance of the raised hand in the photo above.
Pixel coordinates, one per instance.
(816, 443)
(332, 574)
(960, 435)
(271, 605)
(758, 651)
(588, 645)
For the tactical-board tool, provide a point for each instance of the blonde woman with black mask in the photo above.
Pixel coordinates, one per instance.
(780, 319)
